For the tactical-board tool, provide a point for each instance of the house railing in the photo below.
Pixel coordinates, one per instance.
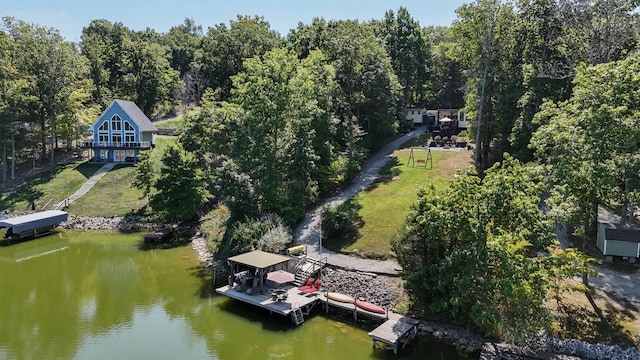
(120, 145)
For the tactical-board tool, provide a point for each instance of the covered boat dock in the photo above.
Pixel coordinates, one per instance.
(33, 225)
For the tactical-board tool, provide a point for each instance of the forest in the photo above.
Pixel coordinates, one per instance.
(281, 121)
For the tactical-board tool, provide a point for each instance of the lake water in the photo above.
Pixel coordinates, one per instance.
(85, 295)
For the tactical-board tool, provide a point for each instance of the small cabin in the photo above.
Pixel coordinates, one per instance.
(415, 116)
(120, 133)
(616, 238)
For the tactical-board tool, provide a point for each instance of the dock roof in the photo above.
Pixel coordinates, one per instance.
(35, 220)
(259, 259)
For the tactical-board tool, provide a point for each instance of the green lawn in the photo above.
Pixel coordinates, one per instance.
(174, 122)
(56, 184)
(386, 204)
(114, 194)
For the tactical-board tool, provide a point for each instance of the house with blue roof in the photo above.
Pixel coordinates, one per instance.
(121, 132)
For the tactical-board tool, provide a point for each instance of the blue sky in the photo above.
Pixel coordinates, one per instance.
(70, 16)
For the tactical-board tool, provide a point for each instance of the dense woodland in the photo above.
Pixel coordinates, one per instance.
(284, 120)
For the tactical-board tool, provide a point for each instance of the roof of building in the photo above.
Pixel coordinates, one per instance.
(35, 220)
(616, 230)
(259, 259)
(135, 114)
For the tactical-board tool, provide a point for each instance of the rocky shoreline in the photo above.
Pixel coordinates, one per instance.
(129, 223)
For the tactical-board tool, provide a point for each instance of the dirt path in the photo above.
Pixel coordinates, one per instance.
(308, 232)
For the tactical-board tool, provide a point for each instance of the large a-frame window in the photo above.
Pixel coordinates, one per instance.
(103, 132)
(129, 132)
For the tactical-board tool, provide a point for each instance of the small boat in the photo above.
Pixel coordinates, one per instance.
(339, 297)
(369, 307)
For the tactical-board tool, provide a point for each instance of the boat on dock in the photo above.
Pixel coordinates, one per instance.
(339, 297)
(370, 307)
(33, 225)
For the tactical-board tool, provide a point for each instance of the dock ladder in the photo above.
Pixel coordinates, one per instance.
(296, 315)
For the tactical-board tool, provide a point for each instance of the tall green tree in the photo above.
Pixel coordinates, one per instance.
(488, 47)
(591, 140)
(54, 67)
(409, 53)
(447, 85)
(466, 251)
(180, 187)
(224, 50)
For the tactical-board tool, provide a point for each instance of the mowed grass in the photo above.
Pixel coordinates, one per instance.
(115, 194)
(386, 204)
(174, 122)
(47, 188)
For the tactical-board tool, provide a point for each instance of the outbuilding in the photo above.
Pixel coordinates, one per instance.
(616, 238)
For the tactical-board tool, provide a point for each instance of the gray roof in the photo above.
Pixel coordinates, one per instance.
(615, 230)
(259, 259)
(134, 112)
(35, 220)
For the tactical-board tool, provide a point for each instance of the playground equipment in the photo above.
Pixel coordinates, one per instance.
(421, 162)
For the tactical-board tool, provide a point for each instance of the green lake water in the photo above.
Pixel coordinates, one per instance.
(86, 295)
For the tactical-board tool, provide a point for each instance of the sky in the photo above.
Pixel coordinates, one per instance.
(70, 16)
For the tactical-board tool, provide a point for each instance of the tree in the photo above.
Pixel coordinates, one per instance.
(146, 174)
(54, 67)
(224, 50)
(466, 251)
(590, 141)
(409, 54)
(446, 79)
(485, 33)
(180, 188)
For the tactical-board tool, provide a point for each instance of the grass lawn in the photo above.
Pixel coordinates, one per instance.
(56, 184)
(112, 195)
(386, 203)
(174, 122)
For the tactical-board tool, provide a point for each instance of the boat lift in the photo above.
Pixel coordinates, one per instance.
(33, 225)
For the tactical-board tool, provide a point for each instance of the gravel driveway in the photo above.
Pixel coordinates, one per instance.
(308, 233)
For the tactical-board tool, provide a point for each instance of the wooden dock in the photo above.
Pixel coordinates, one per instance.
(350, 307)
(294, 305)
(159, 236)
(394, 334)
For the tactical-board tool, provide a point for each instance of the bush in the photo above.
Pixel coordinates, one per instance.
(341, 222)
(268, 233)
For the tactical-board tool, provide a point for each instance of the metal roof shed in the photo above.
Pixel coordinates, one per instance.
(31, 222)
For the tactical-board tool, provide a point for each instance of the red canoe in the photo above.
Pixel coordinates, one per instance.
(369, 307)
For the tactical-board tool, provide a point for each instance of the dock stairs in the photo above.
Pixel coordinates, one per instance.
(306, 268)
(297, 316)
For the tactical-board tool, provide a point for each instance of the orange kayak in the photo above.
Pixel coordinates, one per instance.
(369, 307)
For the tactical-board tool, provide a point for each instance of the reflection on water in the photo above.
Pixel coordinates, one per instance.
(99, 296)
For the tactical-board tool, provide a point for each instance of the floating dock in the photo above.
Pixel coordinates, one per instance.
(394, 334)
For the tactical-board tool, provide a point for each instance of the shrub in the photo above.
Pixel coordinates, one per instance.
(268, 233)
(341, 222)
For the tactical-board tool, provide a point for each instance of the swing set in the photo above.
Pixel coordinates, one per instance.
(421, 162)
